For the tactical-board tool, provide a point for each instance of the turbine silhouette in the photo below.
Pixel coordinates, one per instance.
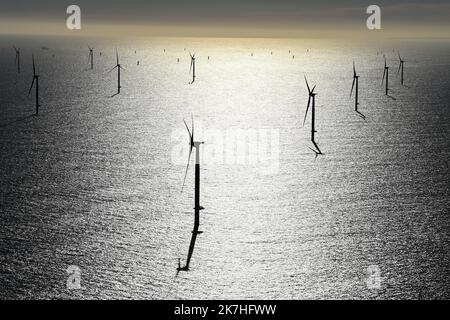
(91, 57)
(119, 67)
(401, 68)
(356, 82)
(312, 104)
(197, 208)
(17, 60)
(35, 81)
(386, 76)
(192, 68)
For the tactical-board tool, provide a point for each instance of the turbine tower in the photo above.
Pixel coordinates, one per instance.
(91, 57)
(386, 75)
(192, 68)
(401, 68)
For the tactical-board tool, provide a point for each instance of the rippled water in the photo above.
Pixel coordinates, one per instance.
(92, 181)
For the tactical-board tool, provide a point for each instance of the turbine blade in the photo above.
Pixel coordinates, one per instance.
(307, 109)
(192, 63)
(191, 139)
(117, 57)
(353, 85)
(112, 69)
(399, 67)
(34, 66)
(384, 75)
(309, 90)
(189, 131)
(354, 69)
(187, 169)
(192, 118)
(32, 83)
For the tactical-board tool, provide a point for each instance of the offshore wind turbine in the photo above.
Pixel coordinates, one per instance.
(17, 60)
(91, 57)
(192, 68)
(401, 68)
(119, 67)
(386, 75)
(197, 208)
(312, 104)
(35, 80)
(356, 82)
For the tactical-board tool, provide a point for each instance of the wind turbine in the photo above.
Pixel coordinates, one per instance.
(356, 82)
(401, 67)
(119, 67)
(193, 144)
(386, 75)
(192, 68)
(91, 57)
(35, 78)
(312, 98)
(17, 61)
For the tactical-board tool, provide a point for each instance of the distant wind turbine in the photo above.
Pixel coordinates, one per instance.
(356, 82)
(119, 67)
(401, 68)
(35, 80)
(386, 75)
(91, 57)
(197, 208)
(192, 68)
(17, 60)
(312, 98)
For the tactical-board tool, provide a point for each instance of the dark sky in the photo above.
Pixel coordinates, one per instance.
(304, 14)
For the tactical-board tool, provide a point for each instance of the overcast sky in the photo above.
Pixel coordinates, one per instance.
(226, 15)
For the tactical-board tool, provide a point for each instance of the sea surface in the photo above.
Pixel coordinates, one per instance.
(94, 182)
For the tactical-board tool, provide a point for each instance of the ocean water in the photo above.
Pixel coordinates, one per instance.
(95, 181)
